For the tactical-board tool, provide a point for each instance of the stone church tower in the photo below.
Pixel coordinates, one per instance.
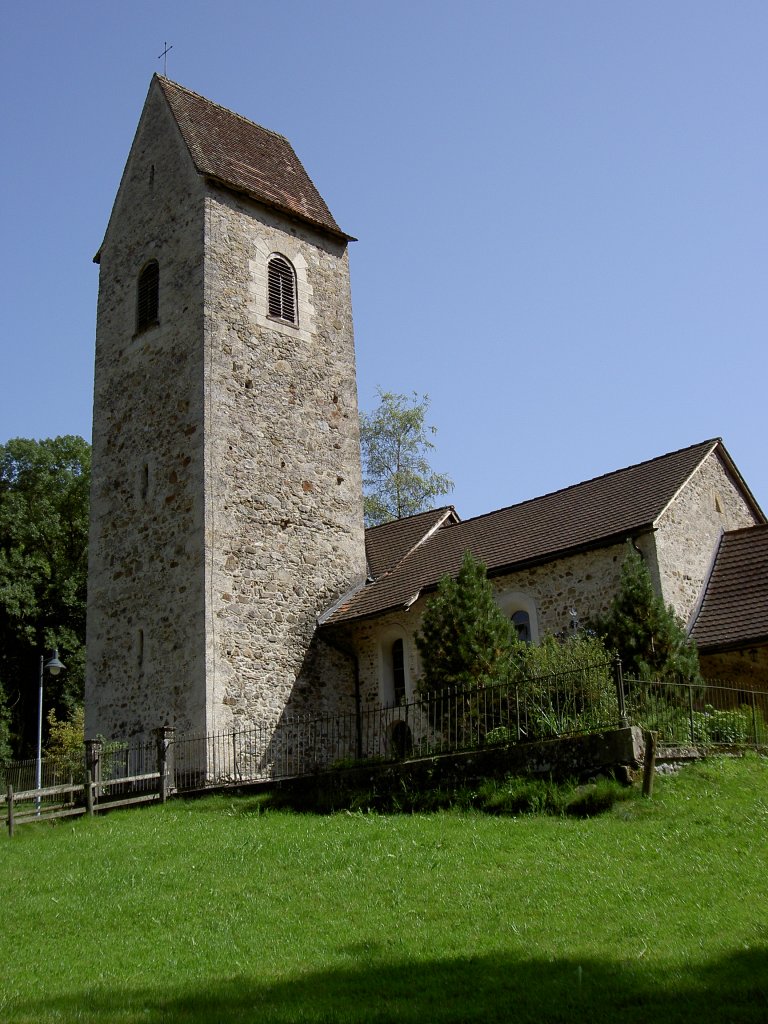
(227, 500)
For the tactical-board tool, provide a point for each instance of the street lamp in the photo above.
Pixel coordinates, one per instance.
(54, 666)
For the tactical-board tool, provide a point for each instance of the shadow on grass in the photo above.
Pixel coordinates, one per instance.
(488, 989)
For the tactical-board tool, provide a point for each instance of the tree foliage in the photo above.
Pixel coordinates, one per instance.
(5, 729)
(465, 638)
(397, 477)
(644, 632)
(65, 747)
(44, 498)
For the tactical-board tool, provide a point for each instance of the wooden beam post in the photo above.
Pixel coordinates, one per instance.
(10, 810)
(164, 739)
(88, 793)
(649, 763)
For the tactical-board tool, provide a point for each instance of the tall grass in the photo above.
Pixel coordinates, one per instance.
(214, 911)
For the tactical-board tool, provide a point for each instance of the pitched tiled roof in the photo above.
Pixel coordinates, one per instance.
(598, 512)
(245, 157)
(387, 544)
(734, 609)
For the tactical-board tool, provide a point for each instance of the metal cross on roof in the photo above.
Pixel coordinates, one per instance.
(164, 56)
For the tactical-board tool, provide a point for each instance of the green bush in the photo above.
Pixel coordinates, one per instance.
(500, 736)
(732, 727)
(647, 635)
(566, 686)
(667, 711)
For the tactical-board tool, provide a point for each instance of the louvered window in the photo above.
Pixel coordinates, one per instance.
(148, 296)
(281, 290)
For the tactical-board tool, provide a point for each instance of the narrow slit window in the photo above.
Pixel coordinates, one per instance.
(398, 671)
(281, 290)
(148, 296)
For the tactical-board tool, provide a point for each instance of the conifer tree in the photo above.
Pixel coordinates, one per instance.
(644, 632)
(465, 639)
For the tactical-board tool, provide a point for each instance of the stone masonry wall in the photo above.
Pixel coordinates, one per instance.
(747, 669)
(284, 524)
(146, 639)
(584, 582)
(689, 530)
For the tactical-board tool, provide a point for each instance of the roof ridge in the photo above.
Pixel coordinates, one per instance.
(227, 110)
(590, 480)
(425, 512)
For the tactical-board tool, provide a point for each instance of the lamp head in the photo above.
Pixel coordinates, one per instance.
(54, 666)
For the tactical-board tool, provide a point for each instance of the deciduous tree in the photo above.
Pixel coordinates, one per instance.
(44, 498)
(395, 445)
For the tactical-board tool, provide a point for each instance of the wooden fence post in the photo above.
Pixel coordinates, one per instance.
(649, 763)
(93, 762)
(10, 810)
(164, 740)
(618, 678)
(88, 793)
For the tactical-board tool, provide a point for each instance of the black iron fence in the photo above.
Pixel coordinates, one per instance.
(696, 714)
(578, 701)
(587, 699)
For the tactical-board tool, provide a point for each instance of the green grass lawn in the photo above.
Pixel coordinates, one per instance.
(214, 912)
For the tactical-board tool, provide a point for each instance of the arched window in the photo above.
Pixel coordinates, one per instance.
(281, 290)
(401, 740)
(521, 620)
(148, 296)
(521, 610)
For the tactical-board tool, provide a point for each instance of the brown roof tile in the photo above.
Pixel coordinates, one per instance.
(246, 157)
(387, 544)
(597, 512)
(734, 609)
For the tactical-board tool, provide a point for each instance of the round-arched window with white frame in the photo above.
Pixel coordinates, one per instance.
(520, 609)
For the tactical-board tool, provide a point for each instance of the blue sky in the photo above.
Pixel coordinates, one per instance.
(560, 207)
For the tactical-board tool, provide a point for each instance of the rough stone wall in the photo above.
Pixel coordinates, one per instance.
(747, 669)
(585, 582)
(284, 525)
(146, 639)
(227, 496)
(688, 532)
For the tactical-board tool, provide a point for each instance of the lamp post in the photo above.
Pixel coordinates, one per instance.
(54, 666)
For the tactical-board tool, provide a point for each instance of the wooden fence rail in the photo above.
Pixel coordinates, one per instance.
(92, 796)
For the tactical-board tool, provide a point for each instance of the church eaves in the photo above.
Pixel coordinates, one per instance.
(598, 512)
(242, 156)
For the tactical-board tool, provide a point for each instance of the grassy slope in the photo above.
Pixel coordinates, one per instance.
(212, 912)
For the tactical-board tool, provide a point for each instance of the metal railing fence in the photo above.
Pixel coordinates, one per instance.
(698, 714)
(583, 700)
(457, 718)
